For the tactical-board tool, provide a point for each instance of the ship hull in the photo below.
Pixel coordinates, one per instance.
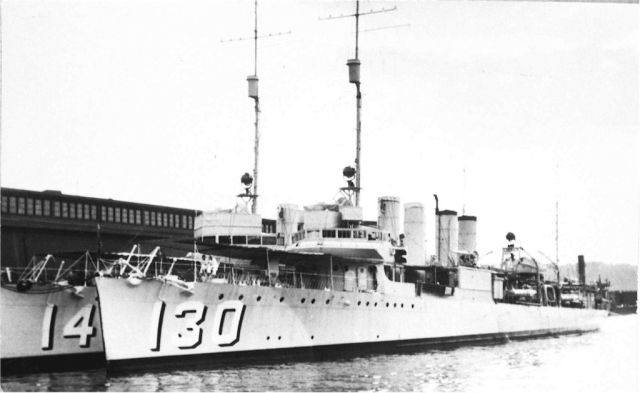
(319, 353)
(156, 324)
(50, 329)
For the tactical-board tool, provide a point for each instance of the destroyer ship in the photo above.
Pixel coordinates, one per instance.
(328, 281)
(51, 323)
(333, 284)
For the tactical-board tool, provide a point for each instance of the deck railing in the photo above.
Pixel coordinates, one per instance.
(287, 279)
(371, 235)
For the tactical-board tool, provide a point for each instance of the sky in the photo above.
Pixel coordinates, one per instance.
(501, 108)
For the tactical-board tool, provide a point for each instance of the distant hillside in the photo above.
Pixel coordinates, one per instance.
(622, 277)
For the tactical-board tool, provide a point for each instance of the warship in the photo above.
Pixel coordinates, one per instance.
(327, 282)
(51, 323)
(333, 285)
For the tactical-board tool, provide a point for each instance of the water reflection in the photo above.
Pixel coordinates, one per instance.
(606, 360)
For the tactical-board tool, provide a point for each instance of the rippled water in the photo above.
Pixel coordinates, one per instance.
(603, 361)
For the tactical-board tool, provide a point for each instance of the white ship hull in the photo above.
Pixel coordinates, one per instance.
(157, 323)
(59, 329)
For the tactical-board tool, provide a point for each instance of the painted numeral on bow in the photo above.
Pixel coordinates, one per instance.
(48, 327)
(189, 335)
(156, 325)
(80, 325)
(228, 322)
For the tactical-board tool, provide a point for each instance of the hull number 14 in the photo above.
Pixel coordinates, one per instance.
(79, 326)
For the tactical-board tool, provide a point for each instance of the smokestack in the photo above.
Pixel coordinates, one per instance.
(414, 232)
(389, 215)
(581, 270)
(446, 235)
(467, 233)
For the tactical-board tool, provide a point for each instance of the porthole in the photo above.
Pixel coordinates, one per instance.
(258, 298)
(240, 297)
(302, 300)
(279, 337)
(378, 336)
(367, 304)
(326, 301)
(387, 304)
(281, 299)
(412, 306)
(220, 296)
(401, 305)
(268, 338)
(359, 302)
(313, 301)
(312, 337)
(375, 304)
(395, 304)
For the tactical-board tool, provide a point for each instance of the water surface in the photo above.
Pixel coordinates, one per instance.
(595, 362)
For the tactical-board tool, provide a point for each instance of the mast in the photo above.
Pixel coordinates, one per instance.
(256, 147)
(557, 203)
(557, 257)
(358, 109)
(354, 77)
(253, 93)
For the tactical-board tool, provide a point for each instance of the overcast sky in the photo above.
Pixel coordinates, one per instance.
(139, 101)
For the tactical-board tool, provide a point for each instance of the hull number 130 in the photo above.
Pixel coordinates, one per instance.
(189, 316)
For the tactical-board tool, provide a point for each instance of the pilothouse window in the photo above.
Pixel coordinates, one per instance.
(344, 234)
(327, 233)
